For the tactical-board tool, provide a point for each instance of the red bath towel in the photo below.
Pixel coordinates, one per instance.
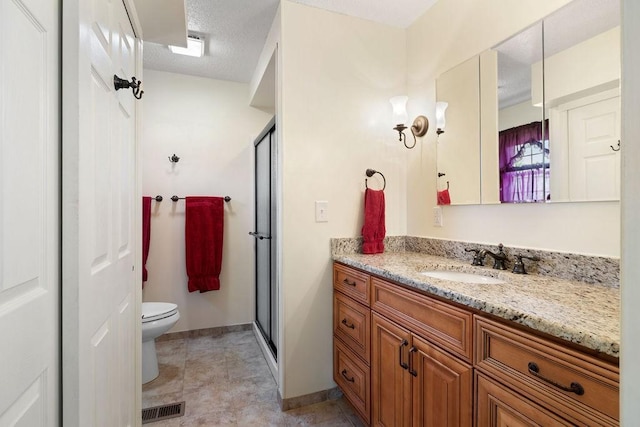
(146, 235)
(373, 230)
(204, 224)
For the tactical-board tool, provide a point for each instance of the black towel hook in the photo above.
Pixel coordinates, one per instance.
(618, 148)
(134, 84)
(370, 173)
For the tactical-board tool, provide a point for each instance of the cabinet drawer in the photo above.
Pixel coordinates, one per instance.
(351, 282)
(498, 406)
(540, 368)
(352, 376)
(448, 326)
(352, 324)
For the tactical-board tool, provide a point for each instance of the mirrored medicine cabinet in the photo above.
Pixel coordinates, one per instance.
(537, 117)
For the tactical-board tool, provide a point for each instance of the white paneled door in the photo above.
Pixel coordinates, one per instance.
(101, 208)
(29, 213)
(594, 137)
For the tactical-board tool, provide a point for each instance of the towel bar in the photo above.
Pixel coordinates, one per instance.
(176, 198)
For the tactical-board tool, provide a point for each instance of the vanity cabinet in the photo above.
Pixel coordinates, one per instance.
(403, 358)
(416, 382)
(543, 377)
(352, 337)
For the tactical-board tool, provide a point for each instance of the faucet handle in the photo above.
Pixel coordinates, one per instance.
(478, 258)
(518, 266)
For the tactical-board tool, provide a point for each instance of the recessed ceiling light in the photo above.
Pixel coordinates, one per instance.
(195, 47)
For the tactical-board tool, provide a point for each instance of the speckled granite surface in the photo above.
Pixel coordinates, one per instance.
(582, 313)
(582, 268)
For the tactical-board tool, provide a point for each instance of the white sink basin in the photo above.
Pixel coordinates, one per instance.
(458, 276)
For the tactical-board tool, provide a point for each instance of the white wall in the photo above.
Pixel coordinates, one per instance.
(209, 125)
(517, 115)
(338, 74)
(447, 34)
(630, 267)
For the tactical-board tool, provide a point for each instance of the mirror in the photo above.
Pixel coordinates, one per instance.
(582, 100)
(566, 151)
(523, 156)
(458, 147)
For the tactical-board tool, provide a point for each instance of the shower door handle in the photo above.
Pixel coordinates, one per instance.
(260, 235)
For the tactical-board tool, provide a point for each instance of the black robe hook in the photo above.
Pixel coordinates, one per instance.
(134, 84)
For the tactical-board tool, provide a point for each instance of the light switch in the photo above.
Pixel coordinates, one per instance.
(437, 216)
(322, 211)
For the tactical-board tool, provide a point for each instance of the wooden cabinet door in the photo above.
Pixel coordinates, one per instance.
(497, 406)
(390, 380)
(442, 387)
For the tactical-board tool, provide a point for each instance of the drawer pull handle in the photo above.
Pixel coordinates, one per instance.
(347, 282)
(411, 370)
(402, 364)
(573, 388)
(345, 323)
(344, 374)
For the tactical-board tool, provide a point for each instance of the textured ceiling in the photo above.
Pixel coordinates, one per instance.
(397, 13)
(236, 30)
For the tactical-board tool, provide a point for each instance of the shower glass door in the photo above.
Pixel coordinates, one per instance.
(265, 237)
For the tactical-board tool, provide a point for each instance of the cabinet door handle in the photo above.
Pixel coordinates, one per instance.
(411, 370)
(402, 364)
(347, 282)
(573, 388)
(344, 374)
(345, 323)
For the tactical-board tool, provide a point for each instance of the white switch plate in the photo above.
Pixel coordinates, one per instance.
(437, 216)
(322, 211)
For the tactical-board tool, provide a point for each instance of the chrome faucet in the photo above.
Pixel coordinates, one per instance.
(499, 259)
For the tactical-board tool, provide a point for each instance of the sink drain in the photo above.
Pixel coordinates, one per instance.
(162, 412)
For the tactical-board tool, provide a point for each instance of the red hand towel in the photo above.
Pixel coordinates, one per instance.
(444, 198)
(204, 224)
(146, 235)
(373, 230)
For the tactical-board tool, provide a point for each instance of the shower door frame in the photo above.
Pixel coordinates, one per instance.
(271, 236)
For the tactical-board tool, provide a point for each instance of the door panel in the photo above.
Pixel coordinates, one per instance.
(265, 234)
(390, 382)
(29, 212)
(100, 203)
(594, 168)
(442, 387)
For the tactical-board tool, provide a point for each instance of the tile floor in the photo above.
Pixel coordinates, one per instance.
(225, 381)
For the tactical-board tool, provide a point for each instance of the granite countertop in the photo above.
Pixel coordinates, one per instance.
(582, 313)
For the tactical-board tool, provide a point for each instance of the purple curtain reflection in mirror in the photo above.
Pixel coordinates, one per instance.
(524, 164)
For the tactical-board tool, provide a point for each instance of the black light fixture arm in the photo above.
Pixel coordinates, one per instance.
(134, 84)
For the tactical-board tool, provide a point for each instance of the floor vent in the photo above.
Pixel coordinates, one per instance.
(162, 412)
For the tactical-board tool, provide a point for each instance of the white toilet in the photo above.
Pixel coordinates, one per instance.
(157, 318)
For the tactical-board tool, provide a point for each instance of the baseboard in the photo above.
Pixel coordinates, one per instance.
(309, 399)
(205, 332)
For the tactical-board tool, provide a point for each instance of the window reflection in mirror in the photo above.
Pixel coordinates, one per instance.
(582, 100)
(523, 150)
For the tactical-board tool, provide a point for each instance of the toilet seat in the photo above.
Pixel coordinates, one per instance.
(152, 311)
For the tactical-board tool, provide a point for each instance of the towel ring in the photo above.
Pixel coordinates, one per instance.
(370, 173)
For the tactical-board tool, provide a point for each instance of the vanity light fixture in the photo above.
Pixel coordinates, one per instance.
(441, 107)
(195, 47)
(418, 128)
